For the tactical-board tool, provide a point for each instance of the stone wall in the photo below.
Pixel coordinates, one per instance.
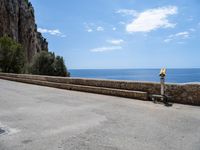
(179, 93)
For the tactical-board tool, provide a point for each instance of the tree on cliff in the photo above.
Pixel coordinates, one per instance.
(60, 68)
(45, 63)
(12, 56)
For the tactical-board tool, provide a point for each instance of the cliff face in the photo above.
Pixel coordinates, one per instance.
(17, 20)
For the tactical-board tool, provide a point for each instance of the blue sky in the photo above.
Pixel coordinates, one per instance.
(109, 34)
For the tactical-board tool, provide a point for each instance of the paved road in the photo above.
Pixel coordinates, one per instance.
(41, 118)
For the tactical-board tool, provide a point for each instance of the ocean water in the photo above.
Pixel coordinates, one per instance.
(173, 75)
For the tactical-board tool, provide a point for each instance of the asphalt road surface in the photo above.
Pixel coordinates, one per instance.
(42, 118)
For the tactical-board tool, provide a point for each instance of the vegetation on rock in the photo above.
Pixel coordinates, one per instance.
(12, 56)
(46, 63)
(60, 68)
(12, 60)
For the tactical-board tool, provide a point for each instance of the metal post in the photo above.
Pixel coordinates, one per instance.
(162, 83)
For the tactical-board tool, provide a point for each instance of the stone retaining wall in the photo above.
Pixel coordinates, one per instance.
(179, 93)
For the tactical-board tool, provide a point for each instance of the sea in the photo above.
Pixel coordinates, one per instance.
(152, 75)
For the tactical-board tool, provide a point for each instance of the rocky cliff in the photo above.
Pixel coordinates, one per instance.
(17, 20)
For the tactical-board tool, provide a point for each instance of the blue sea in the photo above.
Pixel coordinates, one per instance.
(173, 75)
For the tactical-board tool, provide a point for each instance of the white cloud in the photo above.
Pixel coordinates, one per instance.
(55, 32)
(104, 49)
(127, 12)
(116, 42)
(88, 27)
(89, 30)
(114, 29)
(152, 19)
(167, 40)
(92, 27)
(183, 35)
(180, 35)
(99, 28)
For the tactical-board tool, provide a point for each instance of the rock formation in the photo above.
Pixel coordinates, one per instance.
(17, 20)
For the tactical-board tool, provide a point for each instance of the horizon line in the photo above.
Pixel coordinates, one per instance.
(127, 68)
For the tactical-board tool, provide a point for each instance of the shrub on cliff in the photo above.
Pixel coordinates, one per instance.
(45, 63)
(12, 56)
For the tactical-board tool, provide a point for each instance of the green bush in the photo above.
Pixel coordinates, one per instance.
(45, 63)
(12, 56)
(13, 60)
